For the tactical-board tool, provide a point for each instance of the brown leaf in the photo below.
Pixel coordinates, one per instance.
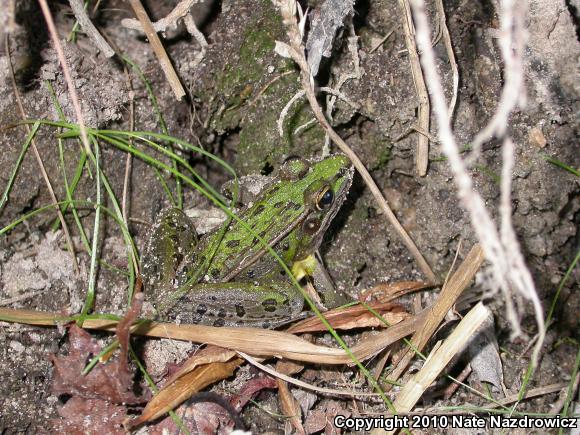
(184, 387)
(207, 355)
(110, 381)
(357, 316)
(82, 416)
(251, 389)
(201, 415)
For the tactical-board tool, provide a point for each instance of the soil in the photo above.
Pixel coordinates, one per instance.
(236, 91)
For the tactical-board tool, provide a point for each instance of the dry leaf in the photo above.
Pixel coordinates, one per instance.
(207, 355)
(184, 387)
(356, 316)
(110, 381)
(82, 416)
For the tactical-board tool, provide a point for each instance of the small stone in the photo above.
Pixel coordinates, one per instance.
(537, 138)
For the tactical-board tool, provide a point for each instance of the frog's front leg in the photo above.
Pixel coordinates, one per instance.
(172, 237)
(263, 304)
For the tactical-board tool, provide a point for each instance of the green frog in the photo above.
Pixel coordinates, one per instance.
(228, 278)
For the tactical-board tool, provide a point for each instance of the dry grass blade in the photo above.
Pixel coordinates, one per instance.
(260, 342)
(449, 294)
(439, 358)
(53, 198)
(183, 389)
(357, 316)
(422, 154)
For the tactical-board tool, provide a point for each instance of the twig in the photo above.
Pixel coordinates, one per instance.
(302, 384)
(157, 46)
(80, 14)
(129, 160)
(506, 262)
(53, 198)
(67, 77)
(296, 51)
(450, 54)
(180, 11)
(381, 42)
(353, 49)
(422, 154)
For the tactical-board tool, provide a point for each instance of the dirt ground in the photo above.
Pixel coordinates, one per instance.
(236, 89)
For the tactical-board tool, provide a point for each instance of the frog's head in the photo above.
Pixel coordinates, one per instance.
(326, 183)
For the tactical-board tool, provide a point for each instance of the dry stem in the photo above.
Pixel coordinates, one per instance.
(80, 14)
(53, 198)
(422, 154)
(158, 48)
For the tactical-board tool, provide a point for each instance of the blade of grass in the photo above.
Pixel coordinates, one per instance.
(90, 297)
(25, 147)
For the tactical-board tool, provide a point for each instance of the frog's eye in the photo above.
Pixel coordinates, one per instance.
(324, 199)
(294, 168)
(311, 225)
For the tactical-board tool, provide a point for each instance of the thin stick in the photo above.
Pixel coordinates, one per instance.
(422, 154)
(302, 384)
(80, 14)
(67, 77)
(450, 54)
(53, 198)
(157, 46)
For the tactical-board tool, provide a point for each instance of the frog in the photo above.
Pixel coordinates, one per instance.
(228, 277)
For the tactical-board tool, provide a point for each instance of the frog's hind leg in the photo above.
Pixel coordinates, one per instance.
(172, 237)
(263, 305)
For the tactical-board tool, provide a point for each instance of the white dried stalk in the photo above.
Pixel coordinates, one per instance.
(502, 251)
(512, 42)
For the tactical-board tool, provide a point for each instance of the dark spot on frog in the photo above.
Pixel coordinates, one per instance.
(232, 243)
(174, 238)
(279, 204)
(201, 309)
(251, 273)
(262, 234)
(293, 205)
(266, 325)
(219, 323)
(240, 311)
(222, 313)
(270, 305)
